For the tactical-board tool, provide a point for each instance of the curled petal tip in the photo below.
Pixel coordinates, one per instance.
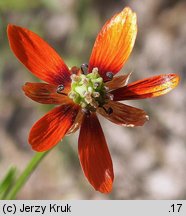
(169, 82)
(127, 10)
(175, 80)
(147, 117)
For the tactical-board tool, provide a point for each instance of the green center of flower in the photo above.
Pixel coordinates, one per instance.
(88, 90)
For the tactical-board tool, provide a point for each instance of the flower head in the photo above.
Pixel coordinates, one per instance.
(82, 92)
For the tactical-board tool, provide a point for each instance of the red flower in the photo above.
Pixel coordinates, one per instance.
(80, 93)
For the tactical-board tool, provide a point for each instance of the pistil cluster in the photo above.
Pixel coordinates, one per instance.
(88, 90)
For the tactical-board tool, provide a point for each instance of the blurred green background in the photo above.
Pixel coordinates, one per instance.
(149, 161)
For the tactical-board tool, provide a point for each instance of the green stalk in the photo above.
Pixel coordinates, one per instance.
(32, 165)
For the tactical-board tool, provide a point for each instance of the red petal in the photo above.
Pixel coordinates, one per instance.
(44, 93)
(124, 115)
(94, 155)
(114, 43)
(38, 56)
(118, 82)
(147, 88)
(52, 127)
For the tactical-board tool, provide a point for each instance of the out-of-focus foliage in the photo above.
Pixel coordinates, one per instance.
(19, 5)
(149, 161)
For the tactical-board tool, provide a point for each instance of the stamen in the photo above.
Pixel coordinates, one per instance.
(108, 111)
(72, 95)
(96, 84)
(95, 71)
(83, 105)
(96, 94)
(84, 68)
(85, 81)
(90, 89)
(88, 97)
(110, 75)
(74, 78)
(59, 89)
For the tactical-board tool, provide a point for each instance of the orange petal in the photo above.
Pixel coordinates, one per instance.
(52, 127)
(124, 115)
(44, 93)
(38, 56)
(94, 155)
(114, 43)
(118, 82)
(147, 88)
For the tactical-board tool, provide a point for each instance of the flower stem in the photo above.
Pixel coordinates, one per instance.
(32, 165)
